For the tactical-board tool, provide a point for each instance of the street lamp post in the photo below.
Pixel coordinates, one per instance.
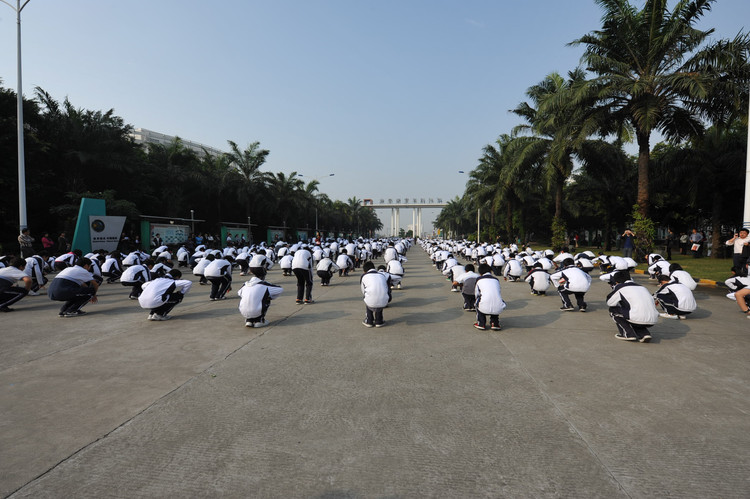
(21, 160)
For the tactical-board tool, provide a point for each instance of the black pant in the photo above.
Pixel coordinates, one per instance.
(565, 297)
(172, 301)
(304, 283)
(374, 315)
(74, 295)
(219, 286)
(468, 301)
(10, 294)
(136, 285)
(627, 328)
(325, 276)
(482, 320)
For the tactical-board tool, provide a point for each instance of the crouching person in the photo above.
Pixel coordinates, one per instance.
(255, 299)
(10, 294)
(489, 300)
(162, 294)
(75, 286)
(377, 294)
(632, 309)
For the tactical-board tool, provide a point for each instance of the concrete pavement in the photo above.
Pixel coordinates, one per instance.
(317, 405)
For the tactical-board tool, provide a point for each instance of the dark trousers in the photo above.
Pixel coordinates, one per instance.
(10, 294)
(264, 304)
(468, 301)
(669, 304)
(304, 283)
(325, 276)
(374, 315)
(243, 266)
(74, 296)
(565, 297)
(219, 286)
(136, 285)
(627, 328)
(172, 301)
(482, 320)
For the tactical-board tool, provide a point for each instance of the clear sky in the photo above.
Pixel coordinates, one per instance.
(392, 96)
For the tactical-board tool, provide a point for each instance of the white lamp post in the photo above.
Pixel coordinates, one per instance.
(21, 160)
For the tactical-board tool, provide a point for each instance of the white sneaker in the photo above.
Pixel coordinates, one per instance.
(151, 317)
(261, 323)
(33, 293)
(668, 316)
(248, 323)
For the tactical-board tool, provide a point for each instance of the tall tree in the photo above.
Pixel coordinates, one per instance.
(651, 69)
(556, 125)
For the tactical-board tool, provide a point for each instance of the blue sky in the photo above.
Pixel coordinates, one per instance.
(393, 97)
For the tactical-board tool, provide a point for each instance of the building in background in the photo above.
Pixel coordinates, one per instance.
(145, 137)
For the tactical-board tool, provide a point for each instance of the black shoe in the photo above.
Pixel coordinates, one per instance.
(7, 309)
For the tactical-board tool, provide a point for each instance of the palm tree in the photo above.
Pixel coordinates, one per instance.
(653, 71)
(556, 127)
(286, 193)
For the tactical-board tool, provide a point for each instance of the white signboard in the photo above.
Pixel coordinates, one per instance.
(105, 232)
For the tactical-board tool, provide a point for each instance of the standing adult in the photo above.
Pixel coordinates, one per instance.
(47, 243)
(62, 244)
(683, 243)
(628, 243)
(25, 243)
(741, 245)
(669, 242)
(302, 268)
(696, 241)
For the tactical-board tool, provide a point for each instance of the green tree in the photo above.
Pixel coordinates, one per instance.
(653, 69)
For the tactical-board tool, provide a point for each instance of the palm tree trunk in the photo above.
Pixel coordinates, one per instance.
(644, 156)
(559, 197)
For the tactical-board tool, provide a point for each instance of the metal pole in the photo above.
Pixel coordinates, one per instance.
(746, 214)
(192, 221)
(21, 160)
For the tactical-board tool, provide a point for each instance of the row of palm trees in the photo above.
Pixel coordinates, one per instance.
(647, 70)
(73, 153)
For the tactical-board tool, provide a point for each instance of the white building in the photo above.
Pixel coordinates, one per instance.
(145, 137)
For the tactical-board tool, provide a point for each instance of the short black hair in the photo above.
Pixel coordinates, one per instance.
(484, 268)
(621, 276)
(368, 266)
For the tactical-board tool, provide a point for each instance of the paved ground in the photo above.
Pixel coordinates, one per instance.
(110, 405)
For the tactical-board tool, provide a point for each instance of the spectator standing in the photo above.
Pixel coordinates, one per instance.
(628, 243)
(25, 243)
(696, 241)
(47, 243)
(741, 245)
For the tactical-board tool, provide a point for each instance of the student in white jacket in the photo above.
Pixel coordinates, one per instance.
(325, 269)
(571, 280)
(255, 299)
(219, 273)
(675, 298)
(538, 280)
(632, 309)
(489, 300)
(162, 294)
(377, 294)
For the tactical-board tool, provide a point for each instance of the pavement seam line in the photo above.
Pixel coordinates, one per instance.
(149, 406)
(562, 414)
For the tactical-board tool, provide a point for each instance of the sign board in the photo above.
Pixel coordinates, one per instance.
(105, 232)
(170, 233)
